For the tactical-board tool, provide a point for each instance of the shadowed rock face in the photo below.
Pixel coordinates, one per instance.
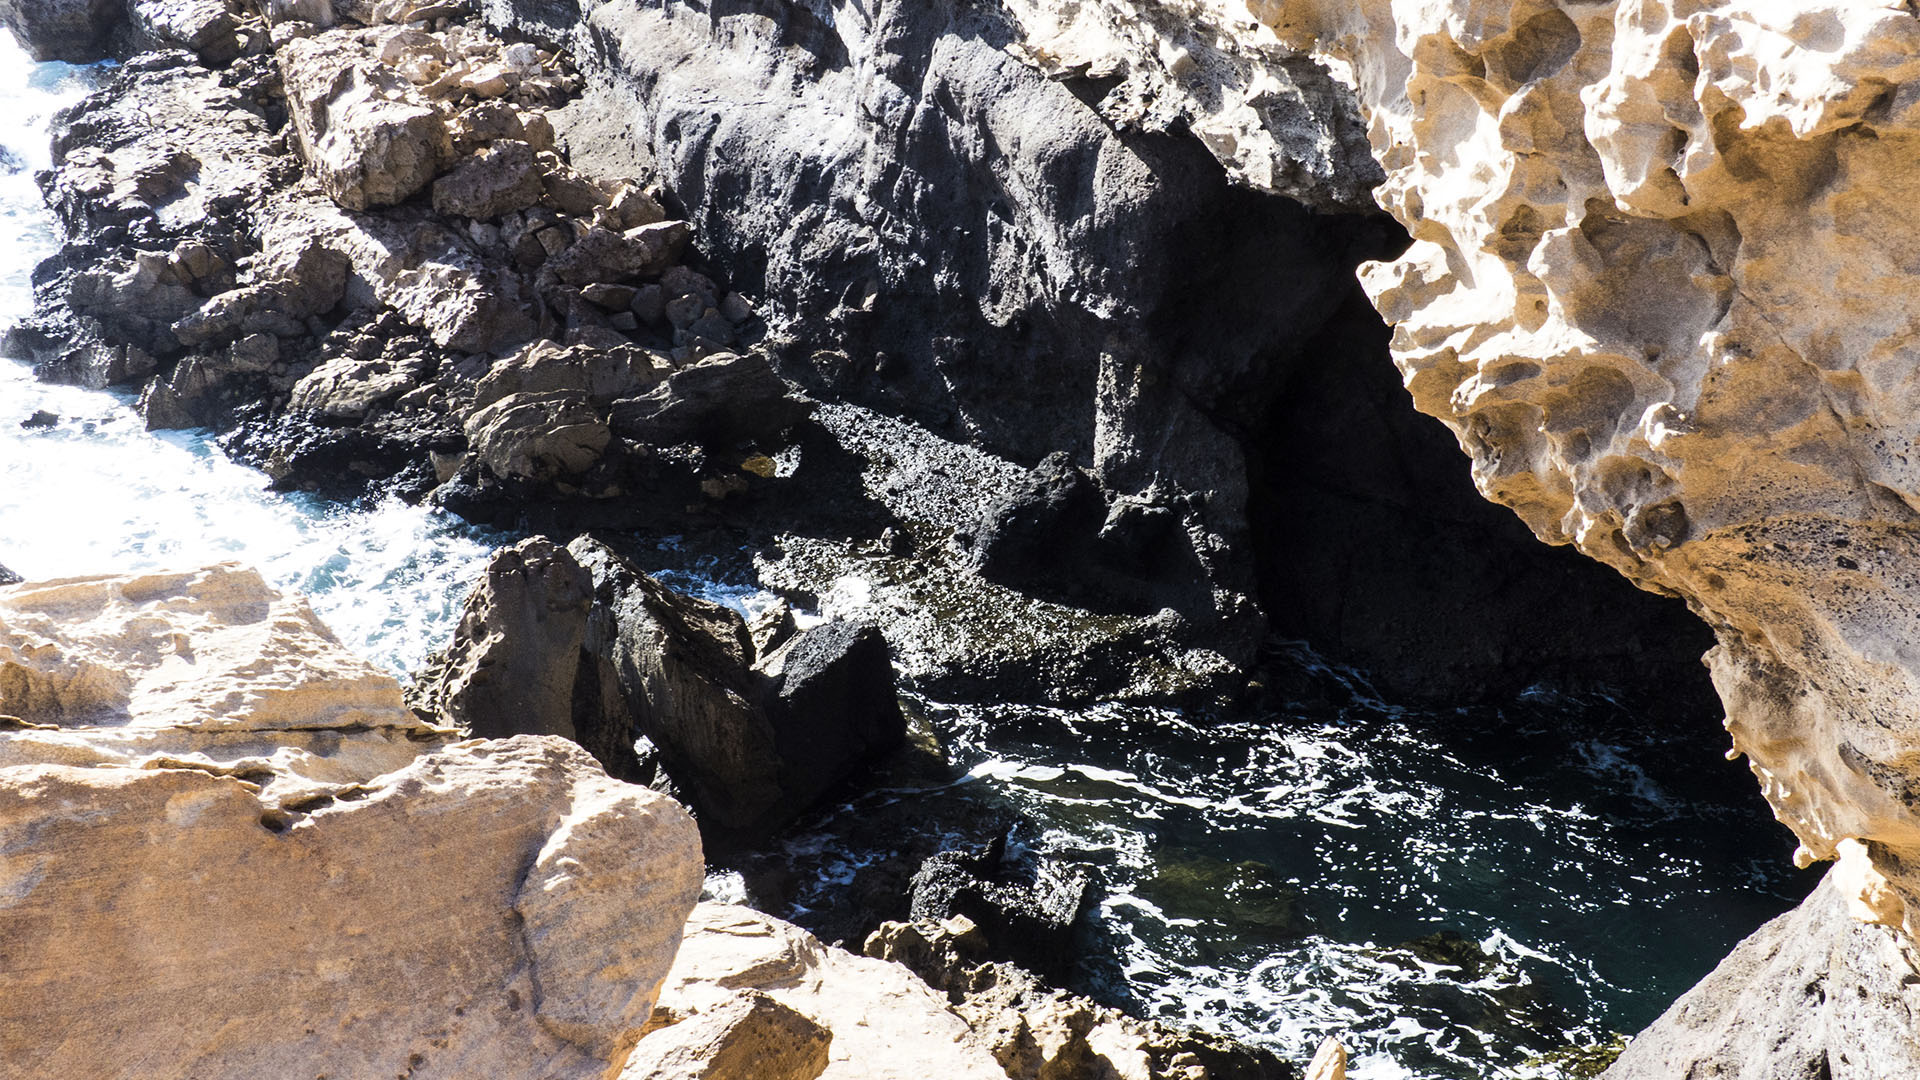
(1043, 265)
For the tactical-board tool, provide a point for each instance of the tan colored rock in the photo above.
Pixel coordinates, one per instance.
(747, 1037)
(601, 374)
(1329, 1062)
(498, 180)
(348, 389)
(542, 436)
(206, 650)
(230, 852)
(430, 274)
(364, 131)
(886, 1023)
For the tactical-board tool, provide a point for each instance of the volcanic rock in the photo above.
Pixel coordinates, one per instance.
(722, 399)
(510, 668)
(77, 31)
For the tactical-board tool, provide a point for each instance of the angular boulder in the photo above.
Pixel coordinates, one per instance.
(500, 179)
(511, 667)
(363, 130)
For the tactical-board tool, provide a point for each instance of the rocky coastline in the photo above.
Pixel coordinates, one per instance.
(1041, 322)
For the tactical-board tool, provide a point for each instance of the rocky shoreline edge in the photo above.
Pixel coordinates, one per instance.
(227, 806)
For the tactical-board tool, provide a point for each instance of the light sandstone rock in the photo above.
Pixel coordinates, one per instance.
(886, 1023)
(364, 131)
(748, 1037)
(205, 799)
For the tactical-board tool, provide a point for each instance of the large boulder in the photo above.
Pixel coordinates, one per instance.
(215, 802)
(510, 669)
(886, 1023)
(364, 131)
(591, 647)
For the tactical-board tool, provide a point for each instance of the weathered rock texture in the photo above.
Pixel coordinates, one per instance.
(579, 642)
(1100, 288)
(1660, 288)
(204, 798)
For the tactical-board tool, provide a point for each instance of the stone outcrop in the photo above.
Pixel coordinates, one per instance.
(1197, 348)
(210, 800)
(1815, 992)
(578, 641)
(1036, 1032)
(1659, 290)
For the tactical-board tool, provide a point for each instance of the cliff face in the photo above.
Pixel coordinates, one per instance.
(945, 218)
(1660, 288)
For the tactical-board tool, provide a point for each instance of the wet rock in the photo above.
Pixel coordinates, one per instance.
(41, 418)
(361, 127)
(1043, 528)
(1027, 910)
(77, 31)
(510, 669)
(751, 1035)
(830, 695)
(681, 668)
(721, 399)
(8, 577)
(1037, 1032)
(496, 181)
(772, 628)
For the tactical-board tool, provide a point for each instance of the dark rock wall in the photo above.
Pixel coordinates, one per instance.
(940, 231)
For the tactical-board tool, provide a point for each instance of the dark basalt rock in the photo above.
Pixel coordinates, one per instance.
(723, 399)
(939, 232)
(1027, 909)
(77, 31)
(578, 642)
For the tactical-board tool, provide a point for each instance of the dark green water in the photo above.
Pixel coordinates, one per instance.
(1303, 872)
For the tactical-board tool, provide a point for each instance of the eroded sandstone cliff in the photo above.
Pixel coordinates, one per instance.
(1660, 288)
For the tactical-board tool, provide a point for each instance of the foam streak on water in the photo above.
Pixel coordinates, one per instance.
(97, 493)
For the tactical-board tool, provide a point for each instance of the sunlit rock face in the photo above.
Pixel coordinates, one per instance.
(228, 850)
(1661, 289)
